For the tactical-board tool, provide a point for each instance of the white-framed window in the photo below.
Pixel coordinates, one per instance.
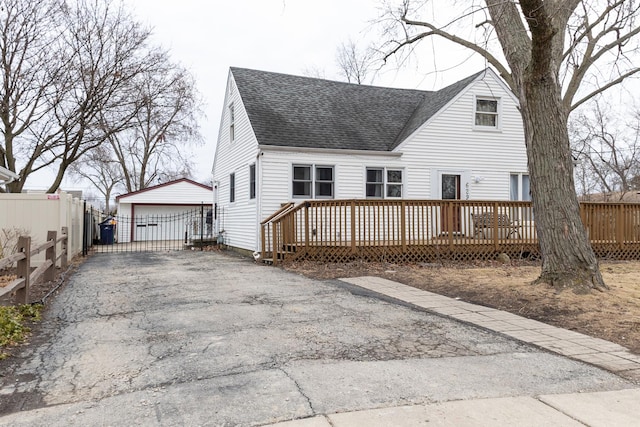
(383, 183)
(252, 181)
(313, 181)
(520, 190)
(519, 187)
(232, 187)
(232, 123)
(487, 113)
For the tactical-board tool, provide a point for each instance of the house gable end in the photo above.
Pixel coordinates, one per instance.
(451, 94)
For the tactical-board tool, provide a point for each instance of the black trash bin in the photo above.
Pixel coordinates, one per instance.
(106, 232)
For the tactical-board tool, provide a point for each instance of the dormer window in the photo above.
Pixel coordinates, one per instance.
(487, 113)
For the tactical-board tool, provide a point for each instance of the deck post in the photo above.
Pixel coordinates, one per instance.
(449, 211)
(22, 269)
(50, 255)
(263, 236)
(274, 245)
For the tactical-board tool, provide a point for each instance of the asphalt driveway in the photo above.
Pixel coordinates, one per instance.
(203, 338)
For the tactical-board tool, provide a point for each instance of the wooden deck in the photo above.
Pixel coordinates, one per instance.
(429, 230)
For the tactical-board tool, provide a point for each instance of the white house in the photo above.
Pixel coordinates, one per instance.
(286, 138)
(161, 212)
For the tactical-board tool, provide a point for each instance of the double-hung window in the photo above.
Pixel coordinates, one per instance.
(313, 181)
(383, 183)
(487, 113)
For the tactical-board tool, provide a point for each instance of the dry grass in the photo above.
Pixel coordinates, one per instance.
(613, 315)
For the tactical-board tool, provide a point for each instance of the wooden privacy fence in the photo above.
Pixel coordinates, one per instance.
(428, 230)
(22, 258)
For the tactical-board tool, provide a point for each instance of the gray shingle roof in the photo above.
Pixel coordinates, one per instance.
(294, 111)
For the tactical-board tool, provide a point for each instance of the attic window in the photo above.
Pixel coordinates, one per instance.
(232, 123)
(487, 113)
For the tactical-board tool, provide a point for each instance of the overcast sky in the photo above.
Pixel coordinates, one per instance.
(287, 36)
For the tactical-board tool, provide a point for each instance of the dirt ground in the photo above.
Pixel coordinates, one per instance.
(613, 315)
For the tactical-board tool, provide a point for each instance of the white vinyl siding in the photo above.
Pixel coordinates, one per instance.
(448, 143)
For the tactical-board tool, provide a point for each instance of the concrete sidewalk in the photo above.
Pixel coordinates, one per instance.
(606, 409)
(604, 354)
(609, 408)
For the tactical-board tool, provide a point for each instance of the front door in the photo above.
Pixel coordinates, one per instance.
(450, 191)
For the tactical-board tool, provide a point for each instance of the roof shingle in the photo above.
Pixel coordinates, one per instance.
(294, 111)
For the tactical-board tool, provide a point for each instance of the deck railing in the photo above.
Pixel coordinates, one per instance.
(426, 230)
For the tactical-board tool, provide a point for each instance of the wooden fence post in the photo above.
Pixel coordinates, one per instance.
(620, 225)
(23, 269)
(50, 255)
(64, 261)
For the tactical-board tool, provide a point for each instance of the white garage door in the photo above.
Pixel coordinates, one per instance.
(151, 223)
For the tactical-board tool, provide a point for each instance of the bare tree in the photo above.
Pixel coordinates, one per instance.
(66, 65)
(354, 63)
(155, 147)
(314, 71)
(30, 65)
(607, 151)
(555, 55)
(99, 167)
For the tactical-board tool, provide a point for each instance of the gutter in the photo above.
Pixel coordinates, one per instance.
(393, 154)
(7, 174)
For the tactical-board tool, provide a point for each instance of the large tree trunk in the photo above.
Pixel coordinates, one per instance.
(568, 259)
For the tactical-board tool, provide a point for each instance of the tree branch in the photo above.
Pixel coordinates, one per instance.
(604, 88)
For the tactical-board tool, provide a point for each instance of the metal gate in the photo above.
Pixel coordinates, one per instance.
(150, 233)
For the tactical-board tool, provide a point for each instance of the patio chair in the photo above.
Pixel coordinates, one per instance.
(483, 221)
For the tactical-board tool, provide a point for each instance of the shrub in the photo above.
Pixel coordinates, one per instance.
(14, 322)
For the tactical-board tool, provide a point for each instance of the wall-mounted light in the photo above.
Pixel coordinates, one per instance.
(478, 179)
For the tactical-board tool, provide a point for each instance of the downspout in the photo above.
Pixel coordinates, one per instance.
(258, 246)
(216, 213)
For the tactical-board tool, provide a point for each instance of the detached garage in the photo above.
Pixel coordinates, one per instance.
(167, 211)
